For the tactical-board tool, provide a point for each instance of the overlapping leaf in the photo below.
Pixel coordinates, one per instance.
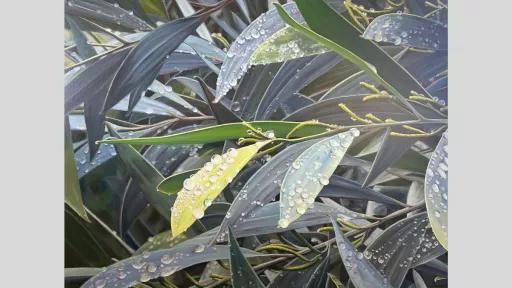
(203, 187)
(309, 173)
(362, 273)
(142, 64)
(408, 30)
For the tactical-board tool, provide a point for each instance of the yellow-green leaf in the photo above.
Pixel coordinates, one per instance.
(203, 187)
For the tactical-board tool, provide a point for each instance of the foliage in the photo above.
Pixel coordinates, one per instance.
(240, 143)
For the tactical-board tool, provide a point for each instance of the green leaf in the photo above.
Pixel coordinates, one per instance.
(174, 183)
(72, 193)
(145, 174)
(332, 25)
(91, 243)
(362, 273)
(242, 274)
(347, 54)
(228, 131)
(436, 191)
(309, 173)
(203, 187)
(156, 7)
(79, 274)
(286, 44)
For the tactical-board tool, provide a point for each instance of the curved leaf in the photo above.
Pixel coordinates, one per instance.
(332, 25)
(72, 194)
(238, 56)
(93, 81)
(161, 263)
(362, 273)
(436, 190)
(242, 274)
(144, 61)
(345, 188)
(174, 183)
(400, 246)
(285, 44)
(100, 10)
(291, 77)
(202, 188)
(262, 187)
(309, 173)
(408, 30)
(226, 132)
(145, 174)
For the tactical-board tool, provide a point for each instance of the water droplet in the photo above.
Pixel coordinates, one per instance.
(188, 184)
(270, 134)
(151, 267)
(207, 202)
(296, 164)
(437, 213)
(216, 159)
(236, 105)
(138, 264)
(199, 248)
(323, 180)
(197, 213)
(380, 259)
(100, 283)
(144, 277)
(283, 223)
(121, 275)
(355, 132)
(166, 259)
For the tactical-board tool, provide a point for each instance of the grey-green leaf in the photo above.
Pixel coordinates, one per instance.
(309, 173)
(402, 246)
(160, 263)
(143, 62)
(436, 190)
(362, 273)
(408, 30)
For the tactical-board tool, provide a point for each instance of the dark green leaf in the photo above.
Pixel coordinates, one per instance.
(391, 149)
(79, 274)
(328, 23)
(93, 82)
(99, 10)
(174, 183)
(143, 62)
(73, 195)
(145, 174)
(225, 132)
(242, 274)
